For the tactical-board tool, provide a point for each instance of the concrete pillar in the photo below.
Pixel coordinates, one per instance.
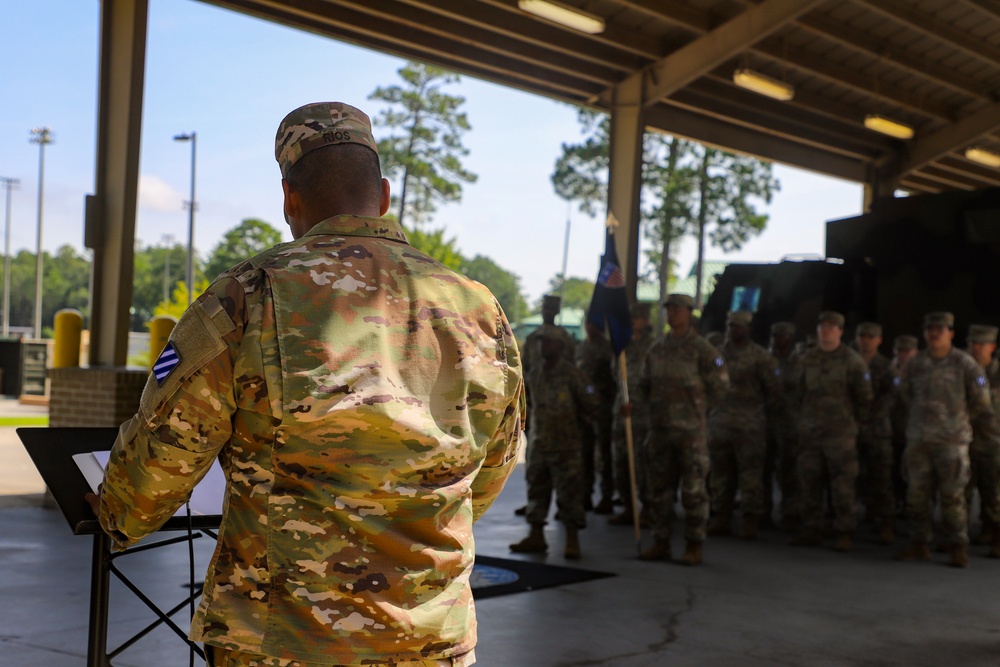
(625, 177)
(110, 228)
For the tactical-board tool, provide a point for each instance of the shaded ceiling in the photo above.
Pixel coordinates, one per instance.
(931, 64)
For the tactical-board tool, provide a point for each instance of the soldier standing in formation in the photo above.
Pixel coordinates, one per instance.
(782, 429)
(904, 348)
(635, 352)
(984, 452)
(594, 358)
(836, 392)
(945, 390)
(557, 401)
(875, 436)
(736, 426)
(681, 376)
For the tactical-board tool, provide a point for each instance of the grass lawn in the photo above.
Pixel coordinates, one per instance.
(41, 420)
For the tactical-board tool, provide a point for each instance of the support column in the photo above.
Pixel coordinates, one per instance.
(625, 175)
(878, 186)
(110, 224)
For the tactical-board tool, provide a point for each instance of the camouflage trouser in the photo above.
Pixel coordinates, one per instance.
(678, 459)
(639, 431)
(222, 657)
(875, 484)
(737, 461)
(561, 470)
(947, 466)
(597, 456)
(839, 455)
(984, 467)
(784, 441)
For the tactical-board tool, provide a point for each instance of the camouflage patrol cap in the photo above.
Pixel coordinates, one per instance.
(679, 300)
(869, 329)
(939, 318)
(981, 333)
(831, 316)
(783, 329)
(317, 125)
(739, 317)
(639, 309)
(905, 342)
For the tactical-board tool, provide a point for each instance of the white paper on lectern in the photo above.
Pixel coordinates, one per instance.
(206, 498)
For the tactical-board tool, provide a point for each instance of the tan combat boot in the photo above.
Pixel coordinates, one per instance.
(886, 535)
(692, 553)
(843, 542)
(995, 546)
(959, 555)
(750, 526)
(659, 551)
(719, 525)
(534, 543)
(572, 550)
(916, 551)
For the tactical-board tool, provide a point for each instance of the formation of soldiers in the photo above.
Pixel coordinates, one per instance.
(841, 430)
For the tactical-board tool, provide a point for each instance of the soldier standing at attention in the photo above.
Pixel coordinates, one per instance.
(365, 403)
(835, 392)
(642, 338)
(594, 358)
(782, 430)
(736, 429)
(984, 452)
(551, 305)
(558, 401)
(904, 348)
(875, 436)
(945, 391)
(681, 376)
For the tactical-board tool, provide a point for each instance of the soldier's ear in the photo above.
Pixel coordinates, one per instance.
(383, 204)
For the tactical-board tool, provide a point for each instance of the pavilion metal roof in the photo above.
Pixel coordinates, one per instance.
(931, 64)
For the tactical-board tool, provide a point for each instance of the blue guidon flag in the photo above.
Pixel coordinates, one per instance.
(609, 305)
(165, 363)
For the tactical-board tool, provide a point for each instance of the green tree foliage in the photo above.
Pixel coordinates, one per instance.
(576, 292)
(581, 172)
(241, 242)
(156, 272)
(179, 299)
(425, 149)
(506, 286)
(65, 284)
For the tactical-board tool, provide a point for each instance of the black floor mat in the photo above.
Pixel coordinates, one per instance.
(492, 577)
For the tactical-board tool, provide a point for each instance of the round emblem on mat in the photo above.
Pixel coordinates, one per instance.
(487, 575)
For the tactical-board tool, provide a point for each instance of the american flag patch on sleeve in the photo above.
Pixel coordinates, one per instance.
(165, 363)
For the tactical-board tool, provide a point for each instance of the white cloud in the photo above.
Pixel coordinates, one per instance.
(155, 194)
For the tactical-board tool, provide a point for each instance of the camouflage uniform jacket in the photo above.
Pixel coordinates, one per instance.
(879, 421)
(635, 354)
(681, 377)
(365, 403)
(788, 406)
(835, 392)
(755, 381)
(559, 398)
(944, 396)
(532, 354)
(595, 358)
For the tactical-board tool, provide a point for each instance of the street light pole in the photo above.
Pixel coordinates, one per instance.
(193, 138)
(42, 136)
(10, 184)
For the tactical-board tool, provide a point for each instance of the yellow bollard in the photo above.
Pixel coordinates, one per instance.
(68, 330)
(159, 333)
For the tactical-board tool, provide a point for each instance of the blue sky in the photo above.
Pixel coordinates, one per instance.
(231, 79)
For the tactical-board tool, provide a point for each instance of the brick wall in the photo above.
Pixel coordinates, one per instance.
(94, 396)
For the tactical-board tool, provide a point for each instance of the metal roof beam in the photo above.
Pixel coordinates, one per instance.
(692, 61)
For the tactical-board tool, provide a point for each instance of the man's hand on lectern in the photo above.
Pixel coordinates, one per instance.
(94, 500)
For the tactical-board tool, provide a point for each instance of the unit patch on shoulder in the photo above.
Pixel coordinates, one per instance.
(166, 363)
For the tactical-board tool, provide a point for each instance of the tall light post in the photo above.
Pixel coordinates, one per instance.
(9, 184)
(193, 138)
(41, 136)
